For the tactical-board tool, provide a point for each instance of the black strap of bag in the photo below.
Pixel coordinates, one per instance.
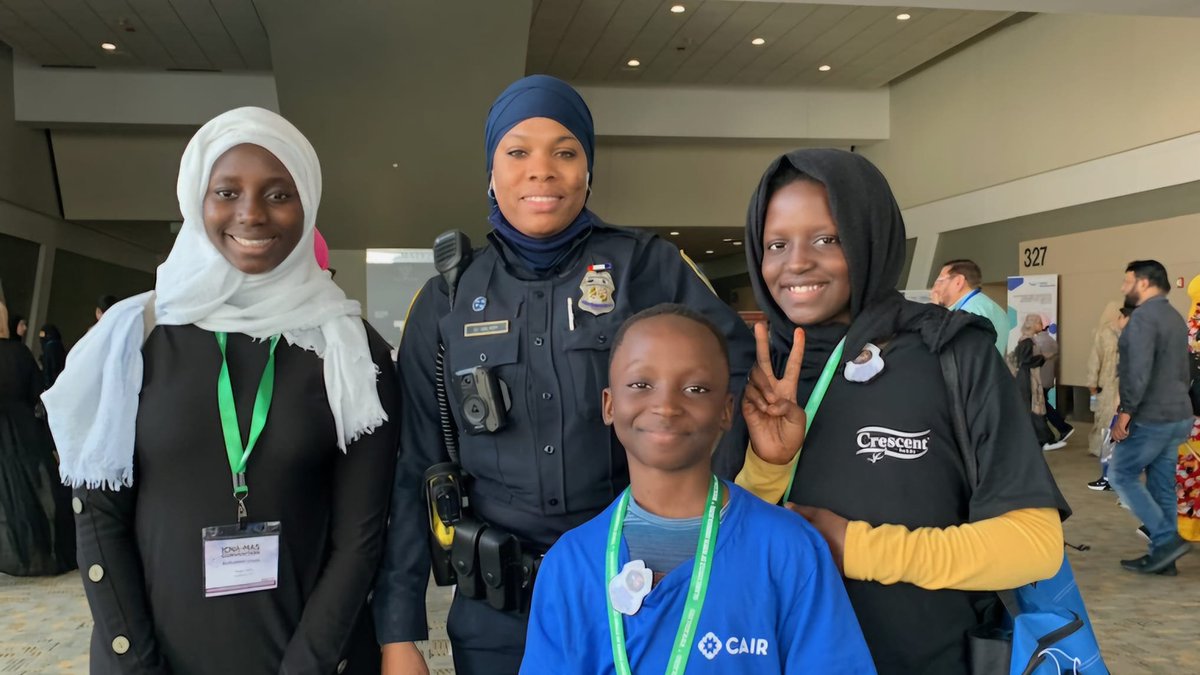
(958, 419)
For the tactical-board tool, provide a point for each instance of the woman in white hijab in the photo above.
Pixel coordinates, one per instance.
(228, 433)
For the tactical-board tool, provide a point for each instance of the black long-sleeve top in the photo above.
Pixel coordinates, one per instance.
(555, 465)
(147, 596)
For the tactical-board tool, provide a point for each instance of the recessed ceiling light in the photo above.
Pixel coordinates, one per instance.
(633, 63)
(758, 41)
(727, 240)
(903, 17)
(737, 243)
(108, 46)
(674, 234)
(678, 9)
(825, 69)
(710, 251)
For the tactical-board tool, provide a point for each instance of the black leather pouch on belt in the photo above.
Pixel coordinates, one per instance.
(500, 567)
(464, 556)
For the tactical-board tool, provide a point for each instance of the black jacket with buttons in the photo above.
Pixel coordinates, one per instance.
(555, 464)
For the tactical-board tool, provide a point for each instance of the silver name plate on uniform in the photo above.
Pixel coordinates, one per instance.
(485, 328)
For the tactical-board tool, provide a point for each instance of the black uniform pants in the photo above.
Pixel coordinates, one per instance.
(485, 641)
(1054, 417)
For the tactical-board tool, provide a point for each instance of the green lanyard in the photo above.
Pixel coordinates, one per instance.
(239, 455)
(814, 402)
(701, 569)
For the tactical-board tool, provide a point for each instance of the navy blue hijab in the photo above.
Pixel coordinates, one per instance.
(539, 96)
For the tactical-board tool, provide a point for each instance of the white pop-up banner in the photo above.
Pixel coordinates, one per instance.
(1027, 295)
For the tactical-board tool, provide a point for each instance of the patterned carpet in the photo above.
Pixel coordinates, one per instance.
(1145, 625)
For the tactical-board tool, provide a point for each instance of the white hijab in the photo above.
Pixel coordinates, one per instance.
(93, 405)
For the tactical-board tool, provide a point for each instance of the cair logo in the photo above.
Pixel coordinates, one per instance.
(710, 646)
(880, 442)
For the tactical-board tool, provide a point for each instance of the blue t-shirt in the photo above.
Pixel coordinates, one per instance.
(775, 603)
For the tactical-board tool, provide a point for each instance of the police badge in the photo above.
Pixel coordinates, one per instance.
(597, 290)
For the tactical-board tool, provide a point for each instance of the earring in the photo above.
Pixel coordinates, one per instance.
(491, 192)
(589, 183)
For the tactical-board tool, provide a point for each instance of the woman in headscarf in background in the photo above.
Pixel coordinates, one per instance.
(198, 556)
(1026, 363)
(882, 475)
(37, 537)
(54, 354)
(538, 308)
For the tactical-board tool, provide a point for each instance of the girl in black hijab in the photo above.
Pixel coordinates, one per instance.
(881, 475)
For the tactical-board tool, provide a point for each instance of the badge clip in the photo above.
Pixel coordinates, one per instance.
(630, 586)
(866, 366)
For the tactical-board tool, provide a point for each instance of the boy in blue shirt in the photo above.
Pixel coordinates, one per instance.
(684, 572)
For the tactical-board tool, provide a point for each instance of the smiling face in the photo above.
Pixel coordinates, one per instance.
(539, 177)
(804, 266)
(668, 396)
(252, 210)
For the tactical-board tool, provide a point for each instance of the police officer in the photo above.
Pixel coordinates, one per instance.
(532, 322)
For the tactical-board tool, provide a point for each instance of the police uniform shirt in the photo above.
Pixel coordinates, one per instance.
(555, 464)
(884, 451)
(775, 604)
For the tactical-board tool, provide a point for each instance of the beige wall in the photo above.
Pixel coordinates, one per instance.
(26, 178)
(1049, 92)
(991, 245)
(675, 183)
(1091, 266)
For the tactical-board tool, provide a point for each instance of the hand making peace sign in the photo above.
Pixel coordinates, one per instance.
(773, 417)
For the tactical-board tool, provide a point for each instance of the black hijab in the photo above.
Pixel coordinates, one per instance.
(13, 320)
(872, 236)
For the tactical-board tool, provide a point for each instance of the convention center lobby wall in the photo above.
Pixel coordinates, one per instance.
(1036, 128)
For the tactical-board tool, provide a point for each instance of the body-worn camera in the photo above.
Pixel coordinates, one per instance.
(485, 400)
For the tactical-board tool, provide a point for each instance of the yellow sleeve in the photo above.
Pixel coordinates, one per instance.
(763, 479)
(1007, 551)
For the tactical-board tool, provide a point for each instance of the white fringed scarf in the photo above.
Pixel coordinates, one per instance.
(93, 406)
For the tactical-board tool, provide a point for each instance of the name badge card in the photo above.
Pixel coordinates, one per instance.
(241, 559)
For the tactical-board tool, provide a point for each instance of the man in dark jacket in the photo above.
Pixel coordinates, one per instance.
(1154, 416)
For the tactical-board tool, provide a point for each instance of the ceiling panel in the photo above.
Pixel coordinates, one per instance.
(699, 24)
(546, 29)
(581, 36)
(240, 19)
(772, 28)
(45, 22)
(205, 27)
(613, 46)
(797, 42)
(656, 34)
(745, 17)
(833, 29)
(160, 17)
(21, 37)
(590, 41)
(88, 27)
(130, 35)
(154, 34)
